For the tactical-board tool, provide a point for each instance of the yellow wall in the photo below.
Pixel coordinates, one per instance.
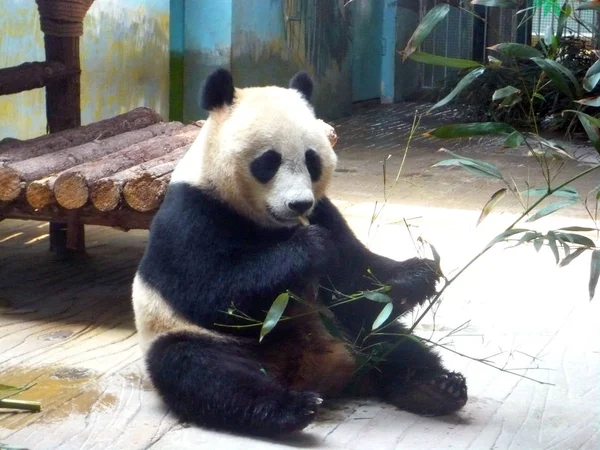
(124, 58)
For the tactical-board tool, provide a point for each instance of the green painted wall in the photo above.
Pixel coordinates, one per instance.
(124, 58)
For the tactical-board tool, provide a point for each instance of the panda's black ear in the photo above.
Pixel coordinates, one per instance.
(302, 83)
(217, 90)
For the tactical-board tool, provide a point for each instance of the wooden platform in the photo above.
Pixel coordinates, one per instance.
(113, 172)
(67, 326)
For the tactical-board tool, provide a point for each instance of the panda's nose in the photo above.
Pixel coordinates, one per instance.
(300, 207)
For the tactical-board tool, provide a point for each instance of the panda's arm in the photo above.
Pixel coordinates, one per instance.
(355, 258)
(411, 280)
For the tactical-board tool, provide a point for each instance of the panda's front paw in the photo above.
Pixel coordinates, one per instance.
(412, 282)
(322, 250)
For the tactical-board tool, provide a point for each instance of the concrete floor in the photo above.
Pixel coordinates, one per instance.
(67, 325)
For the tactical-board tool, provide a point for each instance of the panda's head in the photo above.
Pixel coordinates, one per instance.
(262, 150)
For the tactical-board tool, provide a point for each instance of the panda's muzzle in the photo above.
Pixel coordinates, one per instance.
(292, 218)
(300, 207)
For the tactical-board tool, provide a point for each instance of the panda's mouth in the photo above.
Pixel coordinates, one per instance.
(285, 221)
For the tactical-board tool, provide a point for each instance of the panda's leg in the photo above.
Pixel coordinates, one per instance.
(220, 385)
(412, 376)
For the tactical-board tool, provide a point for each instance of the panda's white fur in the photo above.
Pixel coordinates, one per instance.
(260, 119)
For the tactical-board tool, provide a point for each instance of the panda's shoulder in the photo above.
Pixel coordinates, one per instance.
(189, 207)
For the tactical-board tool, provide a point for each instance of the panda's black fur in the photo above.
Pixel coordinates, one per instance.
(203, 256)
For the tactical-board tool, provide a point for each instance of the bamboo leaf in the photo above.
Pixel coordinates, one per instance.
(537, 244)
(508, 233)
(593, 120)
(577, 239)
(461, 130)
(505, 92)
(590, 101)
(462, 85)
(383, 316)
(565, 13)
(274, 314)
(552, 243)
(436, 60)
(429, 22)
(514, 140)
(483, 166)
(494, 62)
(592, 76)
(528, 237)
(566, 192)
(594, 272)
(569, 259)
(591, 125)
(6, 387)
(487, 209)
(557, 73)
(468, 166)
(377, 297)
(516, 50)
(584, 229)
(551, 208)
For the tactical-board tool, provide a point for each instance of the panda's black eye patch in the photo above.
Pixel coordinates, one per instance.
(313, 164)
(265, 166)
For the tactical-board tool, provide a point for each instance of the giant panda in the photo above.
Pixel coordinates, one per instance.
(229, 237)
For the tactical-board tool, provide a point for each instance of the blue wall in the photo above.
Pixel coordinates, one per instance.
(207, 36)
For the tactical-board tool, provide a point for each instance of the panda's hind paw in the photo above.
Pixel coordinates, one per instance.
(296, 412)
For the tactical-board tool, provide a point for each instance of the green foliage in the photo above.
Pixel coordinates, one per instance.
(274, 314)
(429, 22)
(522, 85)
(383, 316)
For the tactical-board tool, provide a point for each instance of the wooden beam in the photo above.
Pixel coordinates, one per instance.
(123, 219)
(13, 150)
(32, 75)
(63, 111)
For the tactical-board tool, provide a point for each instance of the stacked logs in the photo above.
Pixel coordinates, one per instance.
(114, 172)
(120, 163)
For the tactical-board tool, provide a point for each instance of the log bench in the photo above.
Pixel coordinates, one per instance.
(113, 172)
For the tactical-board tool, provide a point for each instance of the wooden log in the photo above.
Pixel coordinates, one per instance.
(106, 193)
(13, 176)
(31, 75)
(13, 150)
(146, 192)
(71, 187)
(39, 193)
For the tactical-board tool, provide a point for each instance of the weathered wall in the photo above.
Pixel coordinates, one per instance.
(124, 58)
(274, 39)
(207, 40)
